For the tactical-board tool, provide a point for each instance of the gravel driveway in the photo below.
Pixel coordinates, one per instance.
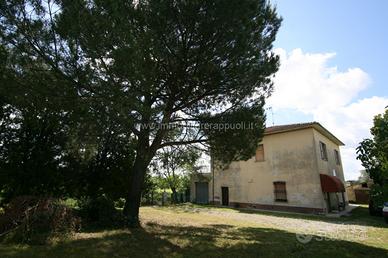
(330, 228)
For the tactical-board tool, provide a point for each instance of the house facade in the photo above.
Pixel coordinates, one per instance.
(296, 168)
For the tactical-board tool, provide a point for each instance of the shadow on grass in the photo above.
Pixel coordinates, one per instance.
(359, 216)
(155, 240)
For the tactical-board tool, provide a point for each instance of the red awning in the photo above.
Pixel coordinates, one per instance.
(331, 184)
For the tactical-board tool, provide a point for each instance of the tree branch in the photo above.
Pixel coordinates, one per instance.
(175, 143)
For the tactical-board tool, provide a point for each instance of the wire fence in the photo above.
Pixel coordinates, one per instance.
(166, 197)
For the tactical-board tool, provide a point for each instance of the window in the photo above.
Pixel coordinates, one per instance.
(337, 157)
(322, 147)
(280, 191)
(260, 153)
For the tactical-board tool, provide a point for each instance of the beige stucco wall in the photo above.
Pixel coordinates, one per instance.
(328, 167)
(289, 157)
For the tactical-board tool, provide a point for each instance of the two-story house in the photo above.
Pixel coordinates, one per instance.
(297, 167)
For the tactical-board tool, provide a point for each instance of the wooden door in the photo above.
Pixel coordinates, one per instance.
(225, 196)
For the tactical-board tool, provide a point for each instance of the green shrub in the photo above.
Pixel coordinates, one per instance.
(100, 212)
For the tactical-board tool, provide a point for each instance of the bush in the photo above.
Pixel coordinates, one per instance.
(377, 197)
(34, 220)
(100, 212)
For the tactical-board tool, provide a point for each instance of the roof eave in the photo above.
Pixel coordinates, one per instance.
(315, 125)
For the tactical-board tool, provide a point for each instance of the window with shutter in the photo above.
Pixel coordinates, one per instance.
(337, 157)
(323, 150)
(280, 191)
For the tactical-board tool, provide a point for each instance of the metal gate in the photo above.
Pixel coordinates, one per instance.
(201, 192)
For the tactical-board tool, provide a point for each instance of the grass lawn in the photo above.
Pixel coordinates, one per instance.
(204, 231)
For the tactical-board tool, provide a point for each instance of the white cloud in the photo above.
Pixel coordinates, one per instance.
(351, 165)
(352, 122)
(307, 84)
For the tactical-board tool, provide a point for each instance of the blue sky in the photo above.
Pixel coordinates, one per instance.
(334, 68)
(356, 30)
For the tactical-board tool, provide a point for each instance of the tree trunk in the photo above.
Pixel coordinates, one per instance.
(144, 155)
(132, 202)
(174, 195)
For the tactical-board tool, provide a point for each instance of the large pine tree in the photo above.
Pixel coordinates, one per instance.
(167, 70)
